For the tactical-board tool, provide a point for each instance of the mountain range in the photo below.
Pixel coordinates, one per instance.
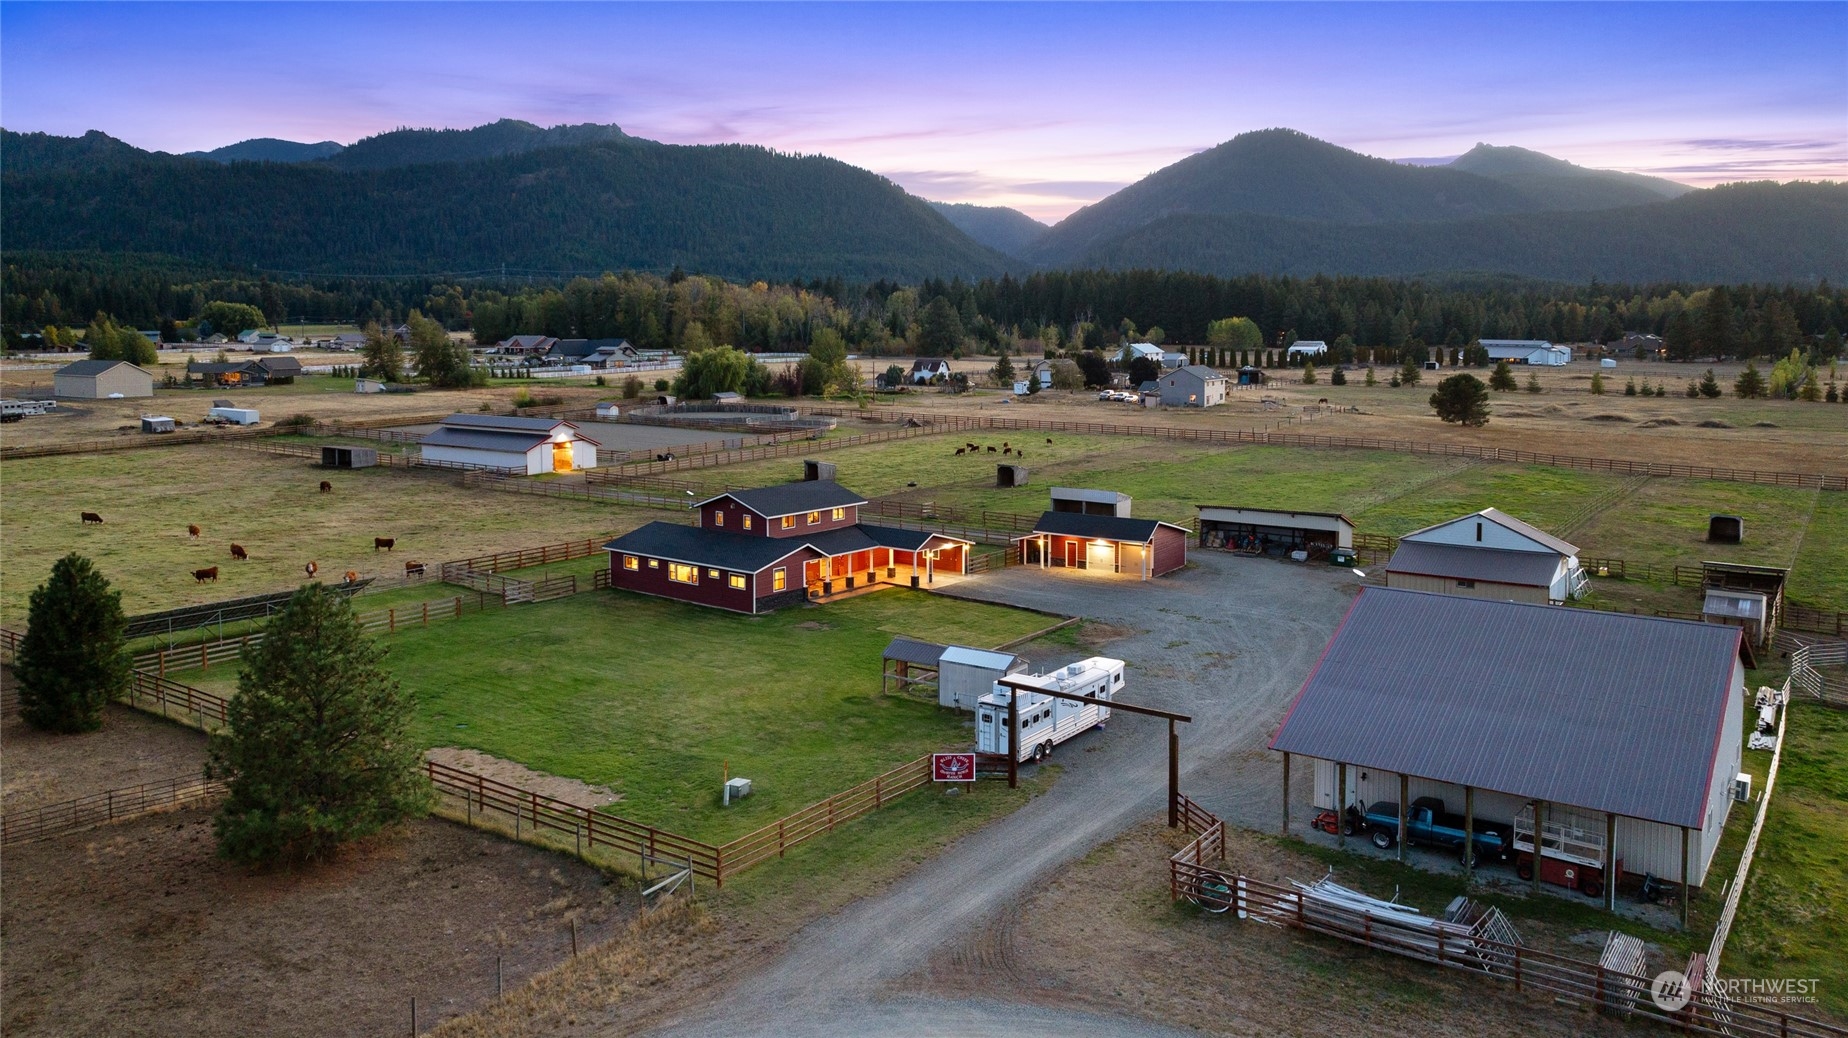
(591, 197)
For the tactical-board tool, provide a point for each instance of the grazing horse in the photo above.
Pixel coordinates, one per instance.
(326, 487)
(238, 552)
(351, 576)
(312, 568)
(413, 569)
(92, 517)
(203, 575)
(193, 531)
(383, 542)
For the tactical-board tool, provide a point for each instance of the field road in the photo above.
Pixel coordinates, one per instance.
(1229, 640)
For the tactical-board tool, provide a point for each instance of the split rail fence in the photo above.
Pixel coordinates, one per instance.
(88, 812)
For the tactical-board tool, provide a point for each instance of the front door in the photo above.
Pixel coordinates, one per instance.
(1071, 553)
(561, 457)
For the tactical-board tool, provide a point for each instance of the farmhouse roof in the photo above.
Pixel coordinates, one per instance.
(588, 347)
(792, 498)
(910, 650)
(1105, 527)
(1201, 372)
(88, 368)
(1590, 709)
(700, 547)
(1465, 562)
(929, 364)
(1506, 522)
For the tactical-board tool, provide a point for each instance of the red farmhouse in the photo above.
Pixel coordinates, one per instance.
(757, 550)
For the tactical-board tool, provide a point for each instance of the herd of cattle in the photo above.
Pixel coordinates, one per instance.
(1006, 448)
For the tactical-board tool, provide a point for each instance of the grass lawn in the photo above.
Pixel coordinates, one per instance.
(1821, 574)
(1546, 497)
(655, 699)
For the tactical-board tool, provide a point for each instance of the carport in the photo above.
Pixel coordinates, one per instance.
(1267, 531)
(1113, 544)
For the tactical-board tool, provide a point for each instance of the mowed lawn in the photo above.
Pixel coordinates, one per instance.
(269, 504)
(656, 699)
(1549, 498)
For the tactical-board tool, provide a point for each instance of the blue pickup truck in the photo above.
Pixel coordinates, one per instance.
(1428, 824)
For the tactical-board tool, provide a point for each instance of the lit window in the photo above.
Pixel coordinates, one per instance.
(789, 522)
(630, 562)
(681, 573)
(736, 580)
(654, 563)
(840, 513)
(813, 518)
(747, 520)
(713, 573)
(718, 517)
(779, 579)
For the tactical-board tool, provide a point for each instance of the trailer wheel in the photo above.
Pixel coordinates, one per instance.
(1525, 868)
(1384, 839)
(1047, 747)
(1039, 753)
(1212, 893)
(1592, 886)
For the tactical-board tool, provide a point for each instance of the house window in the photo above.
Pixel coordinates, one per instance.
(1466, 583)
(681, 573)
(736, 580)
(713, 573)
(718, 517)
(779, 579)
(746, 520)
(631, 563)
(840, 513)
(654, 563)
(789, 522)
(813, 518)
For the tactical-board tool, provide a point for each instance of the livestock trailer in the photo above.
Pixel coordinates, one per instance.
(236, 415)
(1046, 721)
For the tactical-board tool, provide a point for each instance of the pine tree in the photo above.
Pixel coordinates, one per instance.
(1710, 386)
(1410, 374)
(72, 660)
(1750, 383)
(1337, 377)
(1371, 380)
(1309, 374)
(1462, 399)
(1597, 383)
(318, 750)
(1502, 378)
(1533, 382)
(1812, 390)
(1629, 388)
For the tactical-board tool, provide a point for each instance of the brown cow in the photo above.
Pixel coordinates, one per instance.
(203, 575)
(351, 576)
(193, 531)
(238, 552)
(326, 487)
(92, 517)
(312, 569)
(991, 450)
(960, 451)
(413, 569)
(383, 542)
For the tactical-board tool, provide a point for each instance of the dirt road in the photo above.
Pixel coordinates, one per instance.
(1229, 640)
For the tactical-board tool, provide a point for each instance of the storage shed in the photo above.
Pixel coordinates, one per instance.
(102, 380)
(909, 662)
(969, 674)
(527, 446)
(1488, 554)
(1625, 727)
(1090, 502)
(1527, 351)
(156, 423)
(1266, 531)
(1008, 476)
(349, 457)
(1105, 543)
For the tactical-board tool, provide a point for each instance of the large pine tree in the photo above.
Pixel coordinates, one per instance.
(72, 660)
(318, 751)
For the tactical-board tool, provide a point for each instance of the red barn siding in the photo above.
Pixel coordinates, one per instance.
(1170, 550)
(763, 526)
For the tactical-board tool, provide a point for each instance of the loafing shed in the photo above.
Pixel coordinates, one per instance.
(1112, 544)
(1235, 528)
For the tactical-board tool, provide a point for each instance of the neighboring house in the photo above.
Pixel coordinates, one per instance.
(1617, 726)
(758, 550)
(266, 342)
(1488, 554)
(101, 380)
(927, 370)
(1305, 348)
(1527, 351)
(524, 345)
(1145, 350)
(1195, 385)
(1651, 345)
(239, 373)
(1113, 544)
(1041, 370)
(524, 446)
(280, 370)
(1174, 360)
(351, 342)
(598, 353)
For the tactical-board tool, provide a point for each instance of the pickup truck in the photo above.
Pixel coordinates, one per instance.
(1427, 823)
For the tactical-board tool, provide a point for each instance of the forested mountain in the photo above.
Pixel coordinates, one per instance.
(1005, 230)
(1558, 184)
(733, 210)
(268, 149)
(506, 137)
(1758, 232)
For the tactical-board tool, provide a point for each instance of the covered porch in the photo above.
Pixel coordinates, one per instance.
(936, 562)
(1100, 555)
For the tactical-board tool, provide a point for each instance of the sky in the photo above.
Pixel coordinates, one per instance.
(1044, 107)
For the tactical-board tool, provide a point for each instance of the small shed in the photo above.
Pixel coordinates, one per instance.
(1747, 609)
(966, 674)
(1767, 581)
(349, 457)
(813, 470)
(102, 380)
(609, 410)
(156, 423)
(1143, 548)
(1607, 363)
(728, 398)
(368, 385)
(1007, 476)
(909, 662)
(1091, 502)
(1266, 531)
(1250, 376)
(1725, 529)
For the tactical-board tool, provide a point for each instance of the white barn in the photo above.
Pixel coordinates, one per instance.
(1527, 351)
(1624, 730)
(527, 446)
(1488, 554)
(1305, 348)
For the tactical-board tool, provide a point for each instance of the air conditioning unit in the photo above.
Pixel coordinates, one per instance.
(737, 789)
(1742, 788)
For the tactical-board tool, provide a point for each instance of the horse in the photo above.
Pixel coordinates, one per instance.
(326, 487)
(383, 542)
(92, 517)
(203, 575)
(238, 552)
(192, 531)
(351, 576)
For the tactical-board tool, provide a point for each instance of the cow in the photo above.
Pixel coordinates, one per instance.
(383, 542)
(1048, 441)
(1007, 450)
(238, 552)
(351, 576)
(326, 487)
(413, 569)
(312, 568)
(193, 531)
(991, 450)
(960, 451)
(203, 575)
(92, 517)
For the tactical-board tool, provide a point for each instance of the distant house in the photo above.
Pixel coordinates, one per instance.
(1194, 385)
(524, 345)
(528, 446)
(1488, 554)
(280, 370)
(1144, 350)
(265, 342)
(1041, 370)
(348, 341)
(1527, 351)
(925, 370)
(1174, 360)
(102, 380)
(1303, 349)
(598, 353)
(242, 373)
(1651, 345)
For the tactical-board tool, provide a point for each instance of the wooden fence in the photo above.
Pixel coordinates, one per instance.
(793, 449)
(521, 558)
(161, 695)
(88, 812)
(131, 442)
(388, 620)
(1736, 889)
(1192, 870)
(819, 818)
(1619, 466)
(1806, 673)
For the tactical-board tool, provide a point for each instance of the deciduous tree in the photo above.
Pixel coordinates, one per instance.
(72, 660)
(382, 355)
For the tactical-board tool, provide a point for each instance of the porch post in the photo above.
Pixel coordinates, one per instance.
(1686, 892)
(1405, 787)
(1610, 862)
(1340, 808)
(1539, 840)
(1469, 833)
(1286, 794)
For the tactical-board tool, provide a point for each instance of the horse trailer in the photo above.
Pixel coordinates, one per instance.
(1046, 721)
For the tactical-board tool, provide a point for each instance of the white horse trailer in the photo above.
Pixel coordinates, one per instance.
(1046, 721)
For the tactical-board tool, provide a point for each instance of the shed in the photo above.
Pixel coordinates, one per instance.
(1250, 376)
(1725, 529)
(969, 674)
(1747, 609)
(1091, 502)
(1526, 351)
(156, 423)
(813, 470)
(909, 661)
(1267, 531)
(728, 398)
(102, 380)
(1488, 554)
(1111, 544)
(1007, 476)
(368, 385)
(609, 410)
(349, 457)
(528, 446)
(1765, 580)
(1305, 348)
(1607, 363)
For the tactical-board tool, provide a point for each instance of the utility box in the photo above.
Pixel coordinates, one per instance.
(736, 789)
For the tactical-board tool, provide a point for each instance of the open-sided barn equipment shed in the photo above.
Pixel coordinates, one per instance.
(909, 661)
(1140, 547)
(1261, 530)
(528, 446)
(1623, 727)
(1091, 502)
(349, 457)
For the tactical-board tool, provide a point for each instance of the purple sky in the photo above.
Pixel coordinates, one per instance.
(1043, 107)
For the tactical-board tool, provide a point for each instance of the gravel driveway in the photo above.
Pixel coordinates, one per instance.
(1229, 640)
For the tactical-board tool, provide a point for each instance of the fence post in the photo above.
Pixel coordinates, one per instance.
(426, 612)
(391, 618)
(779, 837)
(878, 783)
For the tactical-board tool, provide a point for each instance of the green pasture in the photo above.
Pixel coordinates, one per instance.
(1665, 523)
(1546, 497)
